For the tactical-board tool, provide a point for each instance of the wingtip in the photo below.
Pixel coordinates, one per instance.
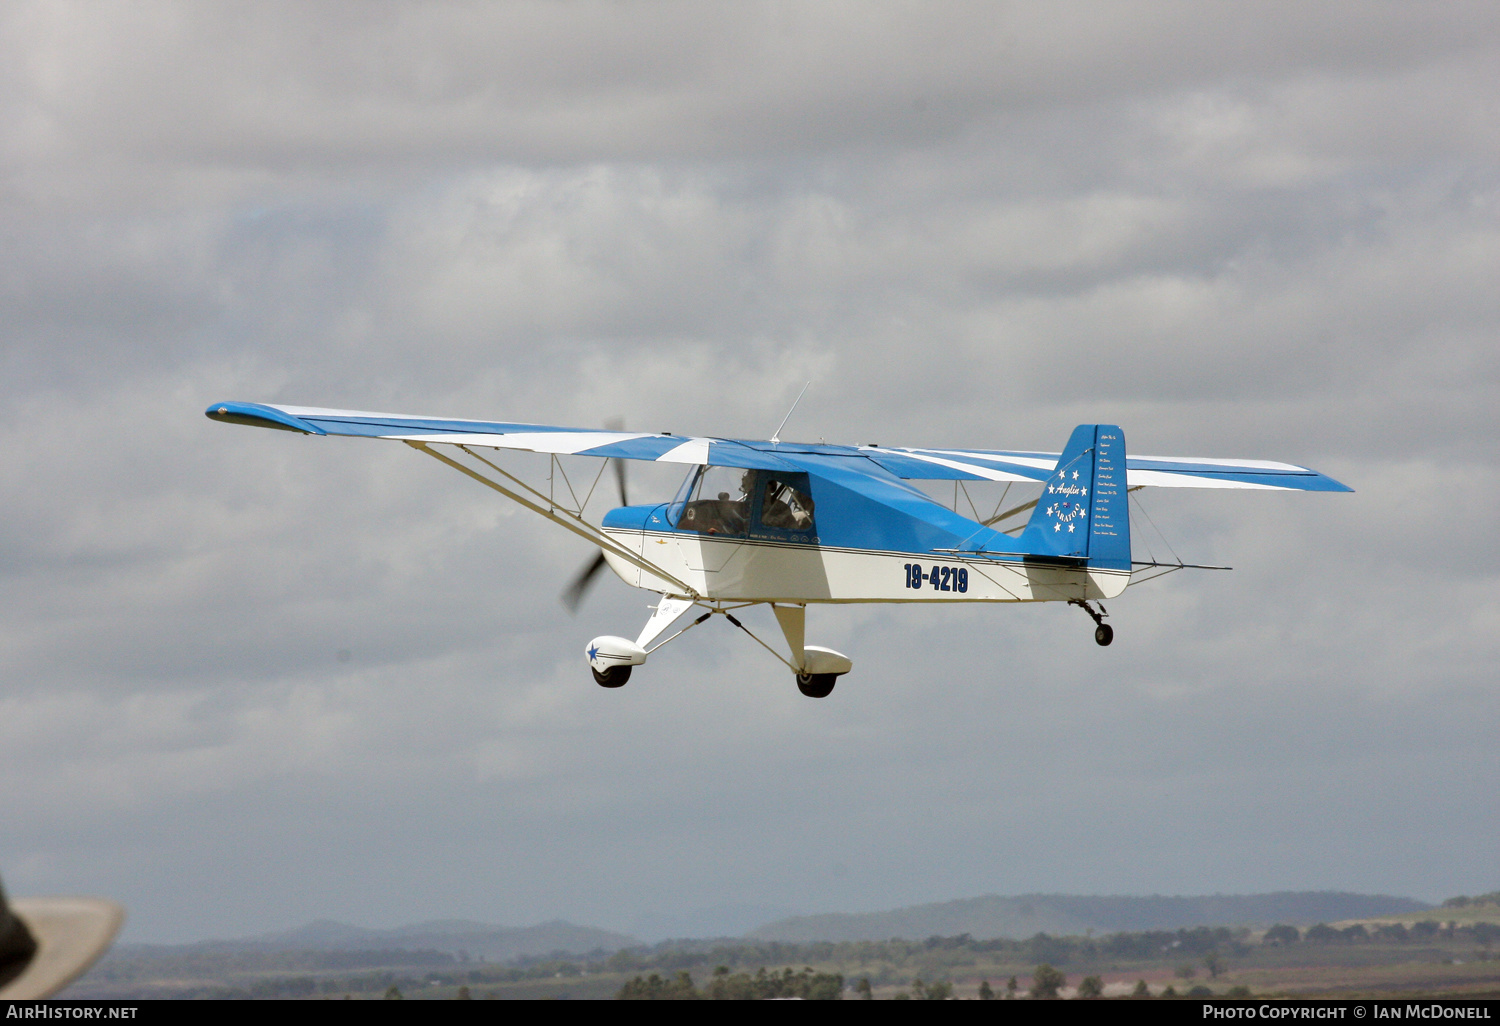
(258, 415)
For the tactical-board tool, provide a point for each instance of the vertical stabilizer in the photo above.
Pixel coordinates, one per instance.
(1084, 509)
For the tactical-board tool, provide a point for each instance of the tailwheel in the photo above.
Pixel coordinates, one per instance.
(614, 677)
(1103, 632)
(816, 685)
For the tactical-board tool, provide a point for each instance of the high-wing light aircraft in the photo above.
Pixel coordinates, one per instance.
(788, 524)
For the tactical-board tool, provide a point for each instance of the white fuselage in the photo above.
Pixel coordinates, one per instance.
(745, 570)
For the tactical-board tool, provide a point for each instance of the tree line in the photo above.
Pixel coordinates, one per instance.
(1484, 934)
(808, 985)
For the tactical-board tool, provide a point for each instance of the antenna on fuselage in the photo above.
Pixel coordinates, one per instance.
(776, 435)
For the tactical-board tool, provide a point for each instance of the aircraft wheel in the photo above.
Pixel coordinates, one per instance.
(816, 685)
(1104, 634)
(614, 677)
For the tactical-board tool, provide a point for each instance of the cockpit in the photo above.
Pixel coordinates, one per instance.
(714, 500)
(734, 503)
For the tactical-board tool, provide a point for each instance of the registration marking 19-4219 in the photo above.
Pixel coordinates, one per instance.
(939, 578)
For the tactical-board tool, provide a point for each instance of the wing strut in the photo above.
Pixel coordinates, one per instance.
(571, 521)
(992, 521)
(731, 618)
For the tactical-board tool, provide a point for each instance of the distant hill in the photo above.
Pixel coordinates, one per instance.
(458, 937)
(1017, 918)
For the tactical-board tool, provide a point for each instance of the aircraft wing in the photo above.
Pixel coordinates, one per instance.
(907, 464)
(1152, 471)
(625, 445)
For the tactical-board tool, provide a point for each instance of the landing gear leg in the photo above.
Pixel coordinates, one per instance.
(1103, 632)
(810, 663)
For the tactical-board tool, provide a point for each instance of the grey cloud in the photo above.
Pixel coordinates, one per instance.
(584, 81)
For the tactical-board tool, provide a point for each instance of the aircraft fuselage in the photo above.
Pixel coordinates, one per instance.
(743, 569)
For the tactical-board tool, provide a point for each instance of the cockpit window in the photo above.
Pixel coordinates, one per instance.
(785, 506)
(718, 502)
(734, 503)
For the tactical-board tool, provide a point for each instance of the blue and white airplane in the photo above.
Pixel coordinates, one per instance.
(788, 524)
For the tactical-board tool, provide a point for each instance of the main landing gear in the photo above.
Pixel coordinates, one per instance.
(1103, 632)
(816, 669)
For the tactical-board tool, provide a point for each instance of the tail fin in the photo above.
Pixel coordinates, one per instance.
(1084, 511)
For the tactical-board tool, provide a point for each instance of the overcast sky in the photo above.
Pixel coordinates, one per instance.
(249, 679)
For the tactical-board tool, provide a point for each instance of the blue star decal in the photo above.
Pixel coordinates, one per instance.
(593, 652)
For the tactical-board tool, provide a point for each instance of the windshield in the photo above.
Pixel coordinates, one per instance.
(716, 502)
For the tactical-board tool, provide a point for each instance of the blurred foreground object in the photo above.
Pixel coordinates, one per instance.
(47, 943)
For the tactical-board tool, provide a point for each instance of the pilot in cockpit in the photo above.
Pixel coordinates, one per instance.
(785, 507)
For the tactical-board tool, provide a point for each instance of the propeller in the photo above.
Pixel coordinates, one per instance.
(573, 594)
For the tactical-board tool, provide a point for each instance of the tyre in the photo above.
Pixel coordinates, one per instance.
(1104, 634)
(614, 677)
(816, 685)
